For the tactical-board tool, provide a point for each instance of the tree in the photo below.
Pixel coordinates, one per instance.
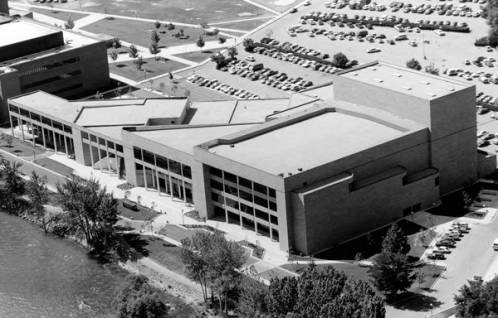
(157, 24)
(69, 23)
(91, 211)
(200, 42)
(38, 195)
(471, 299)
(395, 241)
(116, 43)
(432, 69)
(14, 184)
(392, 273)
(340, 60)
(138, 299)
(492, 17)
(253, 298)
(171, 26)
(154, 37)
(222, 39)
(414, 64)
(214, 262)
(248, 44)
(113, 55)
(219, 59)
(232, 52)
(139, 62)
(132, 51)
(154, 49)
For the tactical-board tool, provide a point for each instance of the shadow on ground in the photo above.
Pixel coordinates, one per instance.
(415, 302)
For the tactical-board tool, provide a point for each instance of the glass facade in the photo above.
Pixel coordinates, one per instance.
(42, 131)
(165, 175)
(103, 154)
(244, 202)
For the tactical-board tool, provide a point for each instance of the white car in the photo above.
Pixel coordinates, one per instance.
(250, 58)
(442, 249)
(373, 50)
(440, 33)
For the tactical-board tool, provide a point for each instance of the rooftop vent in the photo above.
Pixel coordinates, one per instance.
(232, 145)
(378, 80)
(355, 74)
(280, 174)
(290, 173)
(374, 69)
(407, 88)
(426, 82)
(299, 169)
(397, 75)
(451, 89)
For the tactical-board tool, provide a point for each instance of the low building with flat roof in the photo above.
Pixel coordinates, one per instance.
(43, 57)
(308, 172)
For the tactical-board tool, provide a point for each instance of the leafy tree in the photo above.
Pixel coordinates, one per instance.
(157, 24)
(395, 241)
(253, 298)
(432, 69)
(116, 43)
(113, 55)
(471, 299)
(69, 23)
(492, 296)
(14, 184)
(200, 42)
(222, 39)
(139, 62)
(171, 26)
(248, 44)
(138, 299)
(492, 17)
(154, 37)
(132, 51)
(154, 48)
(91, 211)
(219, 59)
(38, 195)
(213, 261)
(340, 60)
(414, 64)
(232, 52)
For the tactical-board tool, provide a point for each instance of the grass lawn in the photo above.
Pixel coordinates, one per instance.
(351, 270)
(431, 273)
(186, 11)
(151, 66)
(143, 213)
(199, 56)
(55, 166)
(139, 32)
(177, 233)
(243, 25)
(61, 15)
(19, 148)
(164, 253)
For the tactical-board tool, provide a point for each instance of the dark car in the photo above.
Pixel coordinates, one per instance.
(435, 255)
(448, 243)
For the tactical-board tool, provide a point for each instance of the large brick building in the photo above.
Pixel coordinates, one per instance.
(35, 56)
(307, 173)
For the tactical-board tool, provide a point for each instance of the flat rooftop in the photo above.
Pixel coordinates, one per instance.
(186, 138)
(48, 105)
(404, 80)
(308, 143)
(20, 31)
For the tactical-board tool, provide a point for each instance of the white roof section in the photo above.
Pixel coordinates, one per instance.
(19, 30)
(47, 104)
(215, 112)
(255, 111)
(308, 143)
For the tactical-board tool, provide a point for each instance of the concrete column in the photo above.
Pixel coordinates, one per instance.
(32, 130)
(43, 137)
(91, 151)
(116, 159)
(157, 175)
(11, 125)
(108, 161)
(22, 128)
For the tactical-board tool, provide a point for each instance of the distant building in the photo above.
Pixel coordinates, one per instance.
(4, 7)
(36, 56)
(310, 174)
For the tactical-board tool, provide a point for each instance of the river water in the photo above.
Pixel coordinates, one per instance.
(42, 276)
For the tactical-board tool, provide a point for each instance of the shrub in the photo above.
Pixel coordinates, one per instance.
(414, 64)
(432, 69)
(484, 41)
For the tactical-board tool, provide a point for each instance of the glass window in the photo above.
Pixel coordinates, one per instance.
(110, 144)
(231, 190)
(262, 215)
(35, 117)
(271, 192)
(245, 183)
(273, 219)
(119, 148)
(260, 201)
(57, 125)
(216, 197)
(245, 195)
(216, 185)
(175, 167)
(232, 203)
(14, 109)
(45, 120)
(84, 135)
(162, 162)
(93, 138)
(102, 141)
(215, 172)
(230, 177)
(186, 171)
(273, 206)
(260, 188)
(148, 157)
(24, 112)
(247, 209)
(137, 153)
(66, 128)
